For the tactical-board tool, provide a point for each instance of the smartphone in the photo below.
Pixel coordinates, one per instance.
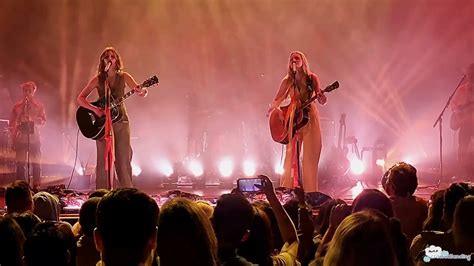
(249, 184)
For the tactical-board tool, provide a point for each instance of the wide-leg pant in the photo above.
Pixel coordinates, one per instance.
(311, 144)
(123, 157)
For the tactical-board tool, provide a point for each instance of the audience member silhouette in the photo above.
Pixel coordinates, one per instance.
(185, 235)
(11, 242)
(18, 197)
(50, 243)
(126, 227)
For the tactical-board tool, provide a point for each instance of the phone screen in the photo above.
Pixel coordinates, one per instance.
(248, 184)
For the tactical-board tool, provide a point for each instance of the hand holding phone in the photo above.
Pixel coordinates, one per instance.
(249, 184)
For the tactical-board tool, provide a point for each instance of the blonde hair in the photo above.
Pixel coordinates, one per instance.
(206, 207)
(306, 68)
(369, 227)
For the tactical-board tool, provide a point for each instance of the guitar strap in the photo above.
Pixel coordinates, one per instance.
(309, 82)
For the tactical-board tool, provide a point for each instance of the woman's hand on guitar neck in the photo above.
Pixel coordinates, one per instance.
(322, 99)
(140, 90)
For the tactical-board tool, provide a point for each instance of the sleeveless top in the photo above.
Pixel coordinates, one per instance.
(304, 92)
(117, 91)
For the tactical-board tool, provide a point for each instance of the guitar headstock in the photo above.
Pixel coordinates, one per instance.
(150, 82)
(332, 87)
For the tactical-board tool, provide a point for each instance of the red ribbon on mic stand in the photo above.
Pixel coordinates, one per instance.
(109, 139)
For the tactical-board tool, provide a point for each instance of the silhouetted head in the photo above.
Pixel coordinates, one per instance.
(126, 227)
(18, 197)
(373, 199)
(185, 235)
(400, 180)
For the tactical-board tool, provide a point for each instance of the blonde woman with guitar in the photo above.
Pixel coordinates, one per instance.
(301, 132)
(110, 75)
(462, 118)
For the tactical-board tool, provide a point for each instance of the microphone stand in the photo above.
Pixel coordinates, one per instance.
(109, 138)
(439, 121)
(27, 105)
(298, 145)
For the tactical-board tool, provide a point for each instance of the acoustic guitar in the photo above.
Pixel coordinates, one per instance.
(278, 127)
(92, 126)
(464, 114)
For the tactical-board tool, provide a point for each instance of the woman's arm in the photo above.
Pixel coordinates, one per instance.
(82, 98)
(322, 99)
(134, 85)
(286, 226)
(280, 96)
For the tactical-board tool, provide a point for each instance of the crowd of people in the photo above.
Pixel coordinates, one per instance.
(125, 226)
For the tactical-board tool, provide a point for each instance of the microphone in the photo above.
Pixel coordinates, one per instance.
(107, 66)
(293, 67)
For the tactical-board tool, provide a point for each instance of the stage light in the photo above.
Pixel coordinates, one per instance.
(249, 168)
(357, 166)
(165, 167)
(136, 170)
(226, 167)
(380, 162)
(356, 190)
(79, 170)
(279, 168)
(195, 167)
(409, 160)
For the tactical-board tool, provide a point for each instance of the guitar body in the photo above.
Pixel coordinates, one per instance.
(278, 127)
(460, 118)
(90, 124)
(454, 122)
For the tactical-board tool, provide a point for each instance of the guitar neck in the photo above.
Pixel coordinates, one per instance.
(307, 103)
(123, 98)
(329, 88)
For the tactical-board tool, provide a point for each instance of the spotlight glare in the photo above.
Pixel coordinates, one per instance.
(357, 166)
(409, 160)
(79, 170)
(279, 168)
(136, 170)
(249, 168)
(356, 190)
(195, 167)
(226, 167)
(380, 162)
(165, 167)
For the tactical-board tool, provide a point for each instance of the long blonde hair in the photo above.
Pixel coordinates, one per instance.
(306, 68)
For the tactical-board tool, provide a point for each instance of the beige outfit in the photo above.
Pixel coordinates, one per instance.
(310, 140)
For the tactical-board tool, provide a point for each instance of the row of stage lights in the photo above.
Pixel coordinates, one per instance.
(226, 167)
(194, 167)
